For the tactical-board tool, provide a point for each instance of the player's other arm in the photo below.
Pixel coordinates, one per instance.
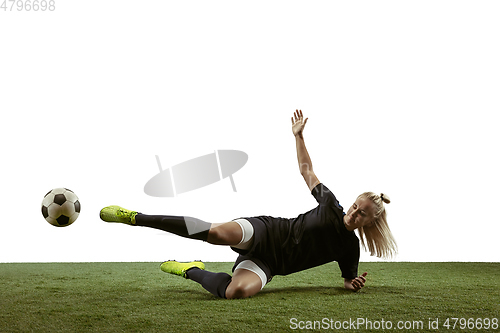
(355, 284)
(305, 164)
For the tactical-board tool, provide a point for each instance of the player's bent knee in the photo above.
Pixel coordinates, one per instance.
(240, 290)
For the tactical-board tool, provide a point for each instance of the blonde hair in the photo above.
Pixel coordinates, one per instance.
(377, 236)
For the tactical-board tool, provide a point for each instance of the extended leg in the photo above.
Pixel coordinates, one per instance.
(184, 226)
(229, 233)
(237, 233)
(215, 233)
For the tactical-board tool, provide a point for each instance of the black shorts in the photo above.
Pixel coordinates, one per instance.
(258, 249)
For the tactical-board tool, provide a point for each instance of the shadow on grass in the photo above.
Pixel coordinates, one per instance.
(331, 291)
(291, 291)
(203, 295)
(304, 290)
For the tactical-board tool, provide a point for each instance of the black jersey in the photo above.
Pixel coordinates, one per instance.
(309, 240)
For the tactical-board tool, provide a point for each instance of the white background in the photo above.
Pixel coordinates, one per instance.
(402, 98)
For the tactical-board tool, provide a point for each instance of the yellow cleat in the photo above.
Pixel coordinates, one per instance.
(180, 268)
(118, 214)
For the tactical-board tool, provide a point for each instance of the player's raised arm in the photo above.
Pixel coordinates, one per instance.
(305, 164)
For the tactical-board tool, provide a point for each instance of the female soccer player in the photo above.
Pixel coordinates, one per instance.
(269, 246)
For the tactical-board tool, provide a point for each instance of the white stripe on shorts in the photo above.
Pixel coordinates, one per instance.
(247, 230)
(251, 266)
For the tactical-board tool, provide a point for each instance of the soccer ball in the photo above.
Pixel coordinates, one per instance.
(60, 207)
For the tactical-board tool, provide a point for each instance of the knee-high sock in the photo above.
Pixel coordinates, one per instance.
(215, 283)
(184, 226)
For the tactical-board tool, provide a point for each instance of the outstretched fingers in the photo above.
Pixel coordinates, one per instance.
(299, 116)
(298, 122)
(295, 117)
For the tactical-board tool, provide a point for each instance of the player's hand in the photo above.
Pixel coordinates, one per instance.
(298, 123)
(357, 283)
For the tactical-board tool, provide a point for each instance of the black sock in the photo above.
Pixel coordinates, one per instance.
(215, 283)
(184, 226)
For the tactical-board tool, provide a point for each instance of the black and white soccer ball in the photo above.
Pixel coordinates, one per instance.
(60, 207)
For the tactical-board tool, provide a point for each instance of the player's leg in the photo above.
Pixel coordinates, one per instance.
(245, 283)
(237, 233)
(247, 280)
(184, 226)
(215, 283)
(229, 233)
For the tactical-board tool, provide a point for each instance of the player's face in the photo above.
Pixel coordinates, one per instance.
(361, 213)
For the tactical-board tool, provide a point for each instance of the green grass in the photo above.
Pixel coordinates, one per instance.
(138, 297)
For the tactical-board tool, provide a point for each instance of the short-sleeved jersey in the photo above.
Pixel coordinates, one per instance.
(314, 238)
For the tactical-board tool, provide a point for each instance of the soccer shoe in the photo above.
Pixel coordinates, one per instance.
(118, 214)
(180, 268)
